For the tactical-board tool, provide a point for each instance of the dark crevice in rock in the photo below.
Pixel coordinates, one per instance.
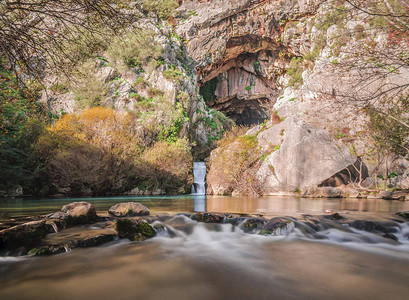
(351, 174)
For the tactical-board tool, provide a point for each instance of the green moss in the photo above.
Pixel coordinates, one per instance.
(207, 90)
(134, 230)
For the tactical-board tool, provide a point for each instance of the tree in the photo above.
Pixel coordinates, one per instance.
(39, 33)
(371, 45)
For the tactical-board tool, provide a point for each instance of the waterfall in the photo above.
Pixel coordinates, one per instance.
(199, 174)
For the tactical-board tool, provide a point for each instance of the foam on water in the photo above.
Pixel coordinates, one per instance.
(228, 242)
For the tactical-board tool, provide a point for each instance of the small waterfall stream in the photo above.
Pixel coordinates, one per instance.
(199, 174)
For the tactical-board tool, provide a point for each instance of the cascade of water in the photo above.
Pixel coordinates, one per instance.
(199, 174)
(54, 226)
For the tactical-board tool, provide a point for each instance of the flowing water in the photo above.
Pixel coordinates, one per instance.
(199, 175)
(191, 260)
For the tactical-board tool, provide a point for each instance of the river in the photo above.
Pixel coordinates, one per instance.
(208, 261)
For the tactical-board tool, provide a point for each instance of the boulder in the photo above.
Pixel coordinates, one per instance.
(335, 217)
(294, 157)
(387, 195)
(79, 213)
(253, 224)
(375, 226)
(307, 156)
(71, 241)
(323, 192)
(47, 250)
(390, 236)
(134, 230)
(209, 217)
(278, 226)
(403, 214)
(128, 209)
(25, 235)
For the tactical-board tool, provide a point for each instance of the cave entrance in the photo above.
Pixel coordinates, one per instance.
(242, 84)
(241, 95)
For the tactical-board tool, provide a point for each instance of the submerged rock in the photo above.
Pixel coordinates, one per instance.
(71, 241)
(278, 226)
(128, 209)
(25, 235)
(375, 227)
(335, 216)
(47, 250)
(95, 241)
(134, 230)
(390, 236)
(79, 213)
(403, 214)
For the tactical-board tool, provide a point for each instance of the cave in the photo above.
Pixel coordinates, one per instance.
(242, 83)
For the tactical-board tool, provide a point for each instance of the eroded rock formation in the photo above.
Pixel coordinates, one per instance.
(239, 51)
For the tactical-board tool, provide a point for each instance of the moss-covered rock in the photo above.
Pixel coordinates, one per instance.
(253, 224)
(134, 230)
(47, 250)
(23, 236)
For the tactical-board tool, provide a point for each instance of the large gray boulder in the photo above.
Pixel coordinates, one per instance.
(79, 213)
(128, 209)
(305, 158)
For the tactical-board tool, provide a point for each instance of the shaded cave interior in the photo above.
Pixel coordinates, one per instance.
(242, 83)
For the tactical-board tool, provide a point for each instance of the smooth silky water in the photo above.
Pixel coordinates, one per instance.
(218, 261)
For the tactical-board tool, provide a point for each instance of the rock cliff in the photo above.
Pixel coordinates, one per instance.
(304, 69)
(263, 60)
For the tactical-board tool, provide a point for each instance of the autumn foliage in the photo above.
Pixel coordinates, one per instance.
(100, 152)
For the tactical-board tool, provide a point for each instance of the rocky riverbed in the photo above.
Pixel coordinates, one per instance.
(77, 225)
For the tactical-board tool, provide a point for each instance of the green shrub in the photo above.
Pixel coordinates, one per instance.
(166, 166)
(163, 8)
(173, 73)
(90, 153)
(237, 162)
(295, 71)
(22, 121)
(135, 49)
(208, 89)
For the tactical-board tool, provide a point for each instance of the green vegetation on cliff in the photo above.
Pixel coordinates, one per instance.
(22, 120)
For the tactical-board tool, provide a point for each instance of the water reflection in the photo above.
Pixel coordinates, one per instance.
(199, 203)
(12, 208)
(293, 205)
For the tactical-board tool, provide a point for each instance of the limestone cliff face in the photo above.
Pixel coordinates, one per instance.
(159, 92)
(242, 48)
(259, 60)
